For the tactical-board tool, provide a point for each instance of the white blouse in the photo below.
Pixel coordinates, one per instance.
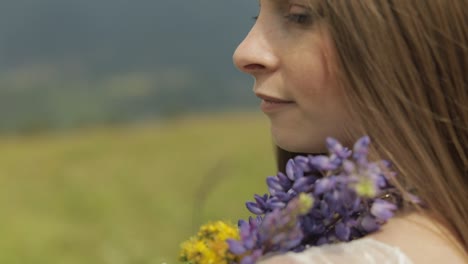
(360, 251)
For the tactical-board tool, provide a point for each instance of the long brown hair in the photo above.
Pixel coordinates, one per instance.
(404, 67)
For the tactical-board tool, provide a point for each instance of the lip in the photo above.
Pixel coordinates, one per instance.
(273, 104)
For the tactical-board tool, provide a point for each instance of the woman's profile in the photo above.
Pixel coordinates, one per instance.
(396, 70)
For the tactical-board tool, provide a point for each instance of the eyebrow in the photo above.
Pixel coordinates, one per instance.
(275, 1)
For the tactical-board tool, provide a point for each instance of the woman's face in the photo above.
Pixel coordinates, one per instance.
(290, 56)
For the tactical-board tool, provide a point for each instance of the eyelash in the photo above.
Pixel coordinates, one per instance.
(295, 18)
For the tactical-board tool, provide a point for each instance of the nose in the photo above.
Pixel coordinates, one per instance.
(255, 53)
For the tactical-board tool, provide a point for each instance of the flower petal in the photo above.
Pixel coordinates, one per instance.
(254, 208)
(236, 247)
(274, 184)
(369, 224)
(361, 149)
(342, 231)
(335, 147)
(382, 209)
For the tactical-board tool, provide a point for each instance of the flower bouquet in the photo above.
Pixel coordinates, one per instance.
(321, 199)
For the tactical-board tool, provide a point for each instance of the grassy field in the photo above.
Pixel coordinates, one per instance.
(127, 194)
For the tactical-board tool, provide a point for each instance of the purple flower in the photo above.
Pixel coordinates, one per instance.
(236, 246)
(261, 200)
(345, 191)
(292, 171)
(254, 208)
(369, 224)
(274, 185)
(256, 254)
(322, 241)
(312, 226)
(275, 203)
(349, 167)
(285, 182)
(323, 163)
(342, 231)
(302, 162)
(324, 185)
(335, 147)
(382, 209)
(303, 184)
(284, 197)
(279, 231)
(361, 149)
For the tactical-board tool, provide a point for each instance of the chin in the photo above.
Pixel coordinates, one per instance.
(303, 138)
(297, 148)
(310, 145)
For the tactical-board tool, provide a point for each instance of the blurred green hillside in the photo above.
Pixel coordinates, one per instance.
(127, 194)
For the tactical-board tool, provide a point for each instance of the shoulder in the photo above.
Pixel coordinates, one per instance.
(421, 239)
(360, 251)
(406, 239)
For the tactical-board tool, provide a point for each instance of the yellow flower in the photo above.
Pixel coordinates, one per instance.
(195, 251)
(210, 246)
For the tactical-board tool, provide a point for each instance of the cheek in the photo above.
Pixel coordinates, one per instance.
(313, 85)
(310, 69)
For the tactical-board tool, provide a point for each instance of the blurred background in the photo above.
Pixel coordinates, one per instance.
(123, 126)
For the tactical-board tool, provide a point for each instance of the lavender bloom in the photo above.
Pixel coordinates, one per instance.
(369, 224)
(278, 231)
(254, 208)
(303, 184)
(323, 163)
(348, 167)
(261, 200)
(325, 185)
(335, 147)
(342, 231)
(248, 237)
(236, 247)
(292, 171)
(344, 191)
(274, 185)
(361, 150)
(275, 203)
(303, 163)
(285, 182)
(382, 209)
(256, 254)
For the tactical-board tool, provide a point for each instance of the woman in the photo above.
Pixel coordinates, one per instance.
(395, 70)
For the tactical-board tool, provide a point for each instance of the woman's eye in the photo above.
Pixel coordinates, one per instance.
(299, 14)
(255, 18)
(299, 18)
